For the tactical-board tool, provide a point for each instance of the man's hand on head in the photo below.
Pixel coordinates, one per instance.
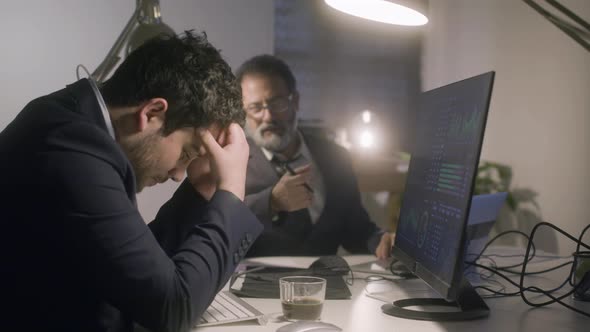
(228, 158)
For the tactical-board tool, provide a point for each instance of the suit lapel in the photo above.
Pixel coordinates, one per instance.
(322, 156)
(261, 173)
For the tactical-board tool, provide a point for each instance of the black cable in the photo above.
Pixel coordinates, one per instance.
(350, 278)
(507, 268)
(581, 238)
(500, 293)
(532, 289)
(497, 237)
(495, 293)
(404, 274)
(522, 255)
(536, 272)
(521, 289)
(577, 252)
(527, 258)
(536, 289)
(481, 274)
(488, 288)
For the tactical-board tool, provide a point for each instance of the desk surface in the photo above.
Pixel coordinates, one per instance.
(363, 313)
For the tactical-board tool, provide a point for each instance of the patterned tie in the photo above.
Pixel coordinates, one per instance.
(281, 164)
(297, 223)
(278, 165)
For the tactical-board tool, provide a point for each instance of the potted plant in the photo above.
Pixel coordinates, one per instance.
(521, 211)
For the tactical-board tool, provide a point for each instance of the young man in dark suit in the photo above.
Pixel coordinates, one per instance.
(301, 187)
(76, 254)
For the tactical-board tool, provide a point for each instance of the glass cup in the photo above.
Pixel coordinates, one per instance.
(302, 298)
(581, 269)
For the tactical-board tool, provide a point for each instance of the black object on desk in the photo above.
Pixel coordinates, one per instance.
(330, 265)
(265, 283)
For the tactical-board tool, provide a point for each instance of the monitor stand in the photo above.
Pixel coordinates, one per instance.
(469, 303)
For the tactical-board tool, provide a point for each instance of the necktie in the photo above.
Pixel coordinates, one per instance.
(282, 165)
(278, 165)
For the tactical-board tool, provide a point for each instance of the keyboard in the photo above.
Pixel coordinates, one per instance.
(228, 308)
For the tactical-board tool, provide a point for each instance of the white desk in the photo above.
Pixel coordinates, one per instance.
(362, 313)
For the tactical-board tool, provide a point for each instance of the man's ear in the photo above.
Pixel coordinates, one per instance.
(295, 100)
(152, 114)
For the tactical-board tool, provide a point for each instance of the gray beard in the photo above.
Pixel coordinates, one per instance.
(275, 143)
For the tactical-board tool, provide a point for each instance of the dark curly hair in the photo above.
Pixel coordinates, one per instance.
(185, 70)
(268, 65)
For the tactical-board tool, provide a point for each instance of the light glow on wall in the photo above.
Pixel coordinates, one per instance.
(367, 139)
(366, 116)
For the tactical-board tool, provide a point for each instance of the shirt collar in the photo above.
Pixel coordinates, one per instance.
(103, 108)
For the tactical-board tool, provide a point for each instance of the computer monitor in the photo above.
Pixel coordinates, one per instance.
(431, 237)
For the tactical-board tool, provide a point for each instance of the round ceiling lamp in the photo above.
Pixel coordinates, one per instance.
(391, 12)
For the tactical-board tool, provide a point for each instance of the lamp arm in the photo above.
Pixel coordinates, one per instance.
(580, 35)
(570, 14)
(105, 67)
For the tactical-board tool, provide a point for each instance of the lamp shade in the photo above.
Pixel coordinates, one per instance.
(400, 12)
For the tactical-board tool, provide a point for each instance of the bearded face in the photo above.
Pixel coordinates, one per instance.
(274, 135)
(271, 111)
(143, 156)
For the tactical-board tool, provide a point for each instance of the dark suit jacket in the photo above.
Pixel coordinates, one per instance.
(76, 254)
(343, 221)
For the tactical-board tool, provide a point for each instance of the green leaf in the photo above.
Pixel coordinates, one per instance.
(526, 195)
(511, 202)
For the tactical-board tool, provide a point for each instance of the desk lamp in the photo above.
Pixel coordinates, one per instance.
(145, 23)
(574, 26)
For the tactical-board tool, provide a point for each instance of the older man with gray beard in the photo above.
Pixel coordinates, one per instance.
(302, 187)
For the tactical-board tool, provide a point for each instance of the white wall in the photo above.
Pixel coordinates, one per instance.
(540, 109)
(43, 41)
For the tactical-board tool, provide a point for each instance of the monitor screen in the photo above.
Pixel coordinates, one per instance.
(431, 233)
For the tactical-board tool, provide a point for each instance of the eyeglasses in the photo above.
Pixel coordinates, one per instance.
(277, 105)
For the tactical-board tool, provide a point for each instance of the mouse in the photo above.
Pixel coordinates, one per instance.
(309, 326)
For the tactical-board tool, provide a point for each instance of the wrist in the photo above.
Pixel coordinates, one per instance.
(238, 191)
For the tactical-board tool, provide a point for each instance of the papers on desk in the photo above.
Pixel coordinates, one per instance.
(392, 290)
(299, 262)
(373, 267)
